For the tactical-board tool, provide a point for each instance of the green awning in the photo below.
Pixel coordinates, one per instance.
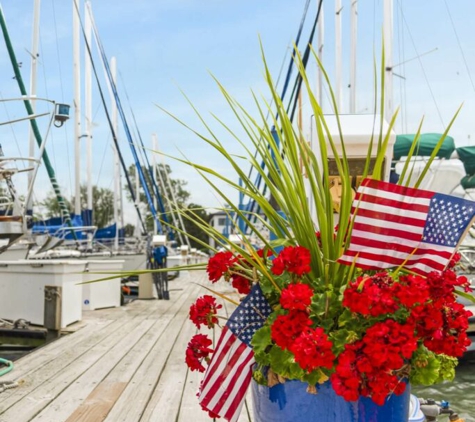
(467, 156)
(425, 145)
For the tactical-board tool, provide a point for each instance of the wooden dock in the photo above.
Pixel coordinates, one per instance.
(121, 364)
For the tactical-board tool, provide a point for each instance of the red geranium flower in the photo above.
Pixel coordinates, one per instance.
(219, 264)
(286, 328)
(293, 259)
(296, 297)
(197, 350)
(312, 350)
(204, 311)
(241, 284)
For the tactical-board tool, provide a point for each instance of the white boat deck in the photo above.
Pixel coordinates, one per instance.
(121, 364)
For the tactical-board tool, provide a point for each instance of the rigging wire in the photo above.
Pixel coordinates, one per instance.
(402, 62)
(125, 124)
(293, 101)
(107, 144)
(11, 126)
(252, 207)
(459, 45)
(143, 153)
(106, 110)
(422, 68)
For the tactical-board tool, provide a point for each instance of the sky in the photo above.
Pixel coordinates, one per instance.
(170, 50)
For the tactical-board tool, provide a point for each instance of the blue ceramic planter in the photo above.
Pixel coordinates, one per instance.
(290, 402)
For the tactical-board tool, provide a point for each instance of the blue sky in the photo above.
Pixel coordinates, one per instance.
(163, 46)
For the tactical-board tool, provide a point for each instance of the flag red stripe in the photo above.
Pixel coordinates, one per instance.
(433, 258)
(235, 407)
(226, 382)
(386, 247)
(400, 204)
(388, 231)
(218, 361)
(393, 218)
(401, 190)
(236, 393)
(214, 381)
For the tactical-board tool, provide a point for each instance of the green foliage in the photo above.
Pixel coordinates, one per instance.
(52, 207)
(428, 368)
(102, 200)
(198, 236)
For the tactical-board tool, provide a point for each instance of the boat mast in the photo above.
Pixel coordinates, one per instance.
(77, 109)
(33, 78)
(155, 171)
(321, 34)
(115, 124)
(34, 125)
(354, 38)
(338, 73)
(88, 112)
(388, 55)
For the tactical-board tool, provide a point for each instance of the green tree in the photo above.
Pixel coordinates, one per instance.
(51, 206)
(103, 205)
(193, 211)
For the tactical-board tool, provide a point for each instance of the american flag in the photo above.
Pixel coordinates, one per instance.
(396, 223)
(229, 373)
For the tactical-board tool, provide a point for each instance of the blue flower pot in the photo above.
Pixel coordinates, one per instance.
(290, 402)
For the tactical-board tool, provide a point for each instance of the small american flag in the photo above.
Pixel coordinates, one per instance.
(395, 223)
(229, 374)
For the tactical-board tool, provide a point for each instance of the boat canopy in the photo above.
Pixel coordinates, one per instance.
(425, 145)
(467, 156)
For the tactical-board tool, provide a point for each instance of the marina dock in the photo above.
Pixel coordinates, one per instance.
(118, 364)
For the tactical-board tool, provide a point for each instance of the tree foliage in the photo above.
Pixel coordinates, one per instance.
(191, 228)
(103, 205)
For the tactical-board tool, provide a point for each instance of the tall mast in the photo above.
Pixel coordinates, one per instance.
(155, 171)
(34, 62)
(115, 124)
(77, 110)
(34, 125)
(338, 73)
(88, 110)
(321, 34)
(354, 38)
(388, 54)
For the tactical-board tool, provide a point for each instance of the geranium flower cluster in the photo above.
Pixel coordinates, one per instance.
(372, 366)
(433, 318)
(387, 318)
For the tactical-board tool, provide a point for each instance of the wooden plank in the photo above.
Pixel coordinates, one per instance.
(190, 408)
(165, 402)
(115, 367)
(98, 404)
(44, 384)
(81, 383)
(131, 404)
(98, 320)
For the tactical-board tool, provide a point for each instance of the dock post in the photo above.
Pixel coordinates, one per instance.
(52, 315)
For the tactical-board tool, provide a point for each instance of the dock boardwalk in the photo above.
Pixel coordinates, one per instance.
(122, 364)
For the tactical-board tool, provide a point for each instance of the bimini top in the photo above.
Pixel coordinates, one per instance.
(425, 145)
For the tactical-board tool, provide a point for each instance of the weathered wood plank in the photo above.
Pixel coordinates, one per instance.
(115, 367)
(133, 401)
(44, 384)
(98, 404)
(165, 401)
(99, 373)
